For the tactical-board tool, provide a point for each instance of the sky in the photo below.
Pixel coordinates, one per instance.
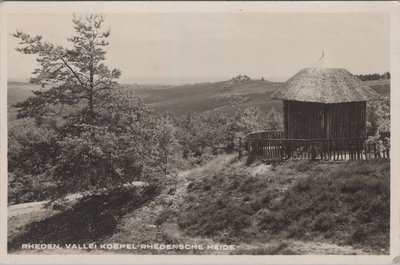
(200, 47)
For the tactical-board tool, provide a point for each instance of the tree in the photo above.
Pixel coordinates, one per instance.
(245, 121)
(204, 132)
(274, 121)
(378, 116)
(106, 138)
(75, 75)
(168, 146)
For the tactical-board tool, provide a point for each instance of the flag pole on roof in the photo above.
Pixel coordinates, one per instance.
(322, 56)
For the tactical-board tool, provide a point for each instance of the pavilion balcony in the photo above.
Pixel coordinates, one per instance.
(271, 145)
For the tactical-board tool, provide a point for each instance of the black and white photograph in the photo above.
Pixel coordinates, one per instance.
(199, 133)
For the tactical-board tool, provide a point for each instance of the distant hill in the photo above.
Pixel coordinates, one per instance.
(183, 99)
(223, 96)
(380, 86)
(19, 91)
(208, 96)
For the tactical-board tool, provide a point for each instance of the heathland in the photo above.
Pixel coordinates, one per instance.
(93, 161)
(212, 196)
(184, 99)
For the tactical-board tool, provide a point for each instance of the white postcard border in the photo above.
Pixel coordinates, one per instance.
(392, 8)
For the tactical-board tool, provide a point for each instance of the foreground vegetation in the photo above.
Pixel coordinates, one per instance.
(346, 203)
(262, 209)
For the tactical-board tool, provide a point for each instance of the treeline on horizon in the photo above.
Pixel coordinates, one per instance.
(375, 76)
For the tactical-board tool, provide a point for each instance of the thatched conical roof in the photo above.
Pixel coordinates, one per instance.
(325, 85)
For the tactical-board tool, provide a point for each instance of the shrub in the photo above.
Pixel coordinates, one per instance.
(303, 185)
(298, 153)
(313, 151)
(378, 116)
(359, 235)
(375, 146)
(297, 229)
(164, 216)
(273, 220)
(27, 188)
(323, 222)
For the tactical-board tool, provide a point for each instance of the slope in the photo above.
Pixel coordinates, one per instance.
(184, 99)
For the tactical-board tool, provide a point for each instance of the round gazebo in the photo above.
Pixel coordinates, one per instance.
(324, 103)
(324, 108)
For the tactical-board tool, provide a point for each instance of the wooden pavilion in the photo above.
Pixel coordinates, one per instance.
(324, 111)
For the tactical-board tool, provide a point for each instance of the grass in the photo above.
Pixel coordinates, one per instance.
(345, 203)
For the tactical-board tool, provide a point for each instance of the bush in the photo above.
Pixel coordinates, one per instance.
(303, 185)
(28, 188)
(359, 235)
(164, 216)
(378, 116)
(298, 229)
(323, 222)
(298, 153)
(274, 221)
(375, 146)
(313, 152)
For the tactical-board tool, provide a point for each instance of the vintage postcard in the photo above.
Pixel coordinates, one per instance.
(196, 132)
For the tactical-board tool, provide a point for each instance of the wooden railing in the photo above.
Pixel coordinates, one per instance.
(277, 148)
(276, 134)
(381, 134)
